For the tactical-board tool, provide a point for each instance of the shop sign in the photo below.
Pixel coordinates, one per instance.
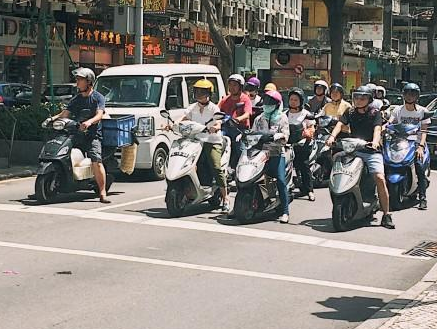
(95, 36)
(152, 48)
(259, 57)
(21, 52)
(180, 45)
(14, 27)
(206, 50)
(366, 32)
(154, 6)
(202, 36)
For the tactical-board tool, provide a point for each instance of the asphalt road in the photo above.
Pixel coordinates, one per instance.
(133, 267)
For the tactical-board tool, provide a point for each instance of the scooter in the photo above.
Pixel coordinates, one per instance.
(257, 192)
(399, 159)
(352, 187)
(63, 168)
(183, 185)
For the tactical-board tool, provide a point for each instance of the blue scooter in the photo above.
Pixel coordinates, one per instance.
(399, 160)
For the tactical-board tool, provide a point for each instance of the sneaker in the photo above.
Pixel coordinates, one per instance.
(284, 218)
(226, 208)
(311, 196)
(423, 205)
(387, 222)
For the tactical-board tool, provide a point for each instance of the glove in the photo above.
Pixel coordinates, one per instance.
(278, 136)
(46, 122)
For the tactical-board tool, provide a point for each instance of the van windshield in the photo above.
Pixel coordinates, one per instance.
(130, 91)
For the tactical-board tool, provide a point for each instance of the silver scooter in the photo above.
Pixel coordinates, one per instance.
(352, 187)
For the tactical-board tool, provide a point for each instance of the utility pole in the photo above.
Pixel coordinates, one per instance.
(139, 24)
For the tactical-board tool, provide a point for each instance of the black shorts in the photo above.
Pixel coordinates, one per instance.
(92, 147)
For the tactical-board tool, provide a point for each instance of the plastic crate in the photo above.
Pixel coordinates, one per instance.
(117, 132)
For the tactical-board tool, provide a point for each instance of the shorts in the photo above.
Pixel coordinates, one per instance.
(93, 149)
(374, 162)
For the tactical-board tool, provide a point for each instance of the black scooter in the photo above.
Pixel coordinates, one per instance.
(63, 168)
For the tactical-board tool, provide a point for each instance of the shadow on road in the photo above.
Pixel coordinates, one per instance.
(199, 211)
(325, 224)
(66, 198)
(138, 176)
(353, 309)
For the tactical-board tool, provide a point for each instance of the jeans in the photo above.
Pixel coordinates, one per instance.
(422, 181)
(302, 165)
(275, 167)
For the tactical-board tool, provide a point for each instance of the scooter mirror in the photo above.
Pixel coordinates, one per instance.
(310, 116)
(165, 114)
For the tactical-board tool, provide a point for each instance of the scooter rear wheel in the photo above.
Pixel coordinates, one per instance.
(45, 187)
(343, 212)
(246, 206)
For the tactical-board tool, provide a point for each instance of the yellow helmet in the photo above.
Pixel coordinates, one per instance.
(204, 84)
(270, 87)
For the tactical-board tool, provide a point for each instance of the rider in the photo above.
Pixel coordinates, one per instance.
(297, 115)
(251, 89)
(274, 121)
(366, 123)
(376, 103)
(230, 105)
(380, 94)
(337, 106)
(91, 143)
(320, 99)
(203, 111)
(412, 113)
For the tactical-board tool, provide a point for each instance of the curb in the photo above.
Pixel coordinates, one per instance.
(20, 174)
(390, 310)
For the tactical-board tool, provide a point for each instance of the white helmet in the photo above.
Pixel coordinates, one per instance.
(323, 84)
(381, 88)
(237, 78)
(373, 87)
(86, 73)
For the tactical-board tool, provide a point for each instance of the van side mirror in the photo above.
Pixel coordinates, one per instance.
(428, 114)
(164, 114)
(171, 102)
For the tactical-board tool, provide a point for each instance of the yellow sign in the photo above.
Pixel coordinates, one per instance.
(154, 6)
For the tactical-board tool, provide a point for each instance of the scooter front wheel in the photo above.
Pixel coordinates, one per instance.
(343, 212)
(46, 187)
(246, 206)
(396, 195)
(174, 202)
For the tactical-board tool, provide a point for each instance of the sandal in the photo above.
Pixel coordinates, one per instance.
(103, 199)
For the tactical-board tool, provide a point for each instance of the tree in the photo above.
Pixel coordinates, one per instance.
(432, 26)
(335, 23)
(223, 45)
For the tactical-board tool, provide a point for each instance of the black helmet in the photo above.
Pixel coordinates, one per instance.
(411, 87)
(364, 91)
(338, 87)
(300, 93)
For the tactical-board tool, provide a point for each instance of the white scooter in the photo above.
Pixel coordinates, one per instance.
(183, 185)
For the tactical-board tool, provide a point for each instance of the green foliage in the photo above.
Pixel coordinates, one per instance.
(28, 121)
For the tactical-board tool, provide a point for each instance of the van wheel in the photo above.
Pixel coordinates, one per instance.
(158, 166)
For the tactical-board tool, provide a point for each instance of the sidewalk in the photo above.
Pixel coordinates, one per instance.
(17, 172)
(414, 309)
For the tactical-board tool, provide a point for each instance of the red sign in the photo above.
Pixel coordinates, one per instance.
(21, 52)
(202, 36)
(152, 47)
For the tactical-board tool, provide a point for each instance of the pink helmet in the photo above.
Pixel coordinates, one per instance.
(254, 82)
(275, 95)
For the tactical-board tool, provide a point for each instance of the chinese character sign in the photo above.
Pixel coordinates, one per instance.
(88, 35)
(155, 6)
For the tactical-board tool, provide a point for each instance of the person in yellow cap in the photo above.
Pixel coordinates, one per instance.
(270, 87)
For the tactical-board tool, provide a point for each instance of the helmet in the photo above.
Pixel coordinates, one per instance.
(338, 87)
(204, 84)
(270, 86)
(237, 78)
(86, 73)
(364, 91)
(382, 89)
(411, 87)
(373, 87)
(274, 95)
(321, 83)
(300, 93)
(254, 82)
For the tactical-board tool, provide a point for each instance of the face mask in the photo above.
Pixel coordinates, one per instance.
(269, 108)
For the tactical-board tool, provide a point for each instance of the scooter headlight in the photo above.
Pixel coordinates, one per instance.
(63, 151)
(398, 151)
(58, 125)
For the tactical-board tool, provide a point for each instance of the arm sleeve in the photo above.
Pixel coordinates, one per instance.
(247, 105)
(377, 120)
(101, 103)
(344, 118)
(187, 112)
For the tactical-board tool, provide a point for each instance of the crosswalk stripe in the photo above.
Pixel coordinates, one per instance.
(214, 228)
(206, 268)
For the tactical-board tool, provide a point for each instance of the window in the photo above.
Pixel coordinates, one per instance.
(175, 99)
(192, 80)
(305, 16)
(130, 90)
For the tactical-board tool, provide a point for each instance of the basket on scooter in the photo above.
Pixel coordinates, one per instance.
(117, 132)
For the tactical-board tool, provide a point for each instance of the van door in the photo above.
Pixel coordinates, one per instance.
(176, 97)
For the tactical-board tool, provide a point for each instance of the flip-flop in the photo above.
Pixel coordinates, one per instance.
(104, 200)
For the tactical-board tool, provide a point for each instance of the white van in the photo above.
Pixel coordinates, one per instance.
(144, 90)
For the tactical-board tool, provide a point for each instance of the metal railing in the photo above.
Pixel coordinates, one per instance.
(10, 142)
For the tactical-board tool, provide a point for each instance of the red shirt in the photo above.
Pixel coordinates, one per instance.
(228, 105)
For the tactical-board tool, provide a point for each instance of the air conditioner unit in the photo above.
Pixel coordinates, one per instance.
(262, 15)
(228, 11)
(196, 6)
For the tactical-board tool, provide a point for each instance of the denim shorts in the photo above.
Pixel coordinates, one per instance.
(374, 162)
(93, 149)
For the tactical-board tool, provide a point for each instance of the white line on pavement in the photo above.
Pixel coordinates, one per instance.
(119, 205)
(215, 228)
(223, 270)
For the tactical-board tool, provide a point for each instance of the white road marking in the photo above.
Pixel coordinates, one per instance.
(206, 227)
(119, 205)
(13, 180)
(206, 268)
